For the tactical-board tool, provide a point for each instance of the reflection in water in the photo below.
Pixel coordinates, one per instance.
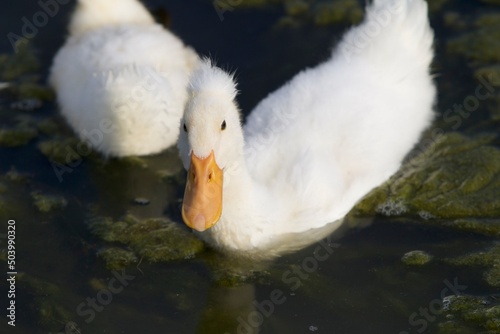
(237, 309)
(231, 310)
(154, 179)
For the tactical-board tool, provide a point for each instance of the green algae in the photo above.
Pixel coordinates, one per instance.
(416, 258)
(436, 5)
(491, 72)
(49, 305)
(172, 176)
(455, 21)
(323, 13)
(33, 90)
(231, 270)
(336, 12)
(15, 176)
(20, 70)
(47, 203)
(440, 181)
(235, 4)
(487, 20)
(296, 7)
(480, 258)
(487, 260)
(228, 277)
(64, 151)
(320, 12)
(470, 314)
(14, 199)
(392, 208)
(17, 136)
(24, 61)
(135, 161)
(49, 127)
(492, 276)
(154, 239)
(117, 258)
(485, 226)
(480, 46)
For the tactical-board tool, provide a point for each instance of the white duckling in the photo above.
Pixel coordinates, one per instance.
(316, 146)
(121, 79)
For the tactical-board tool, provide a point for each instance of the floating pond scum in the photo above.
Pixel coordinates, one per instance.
(100, 244)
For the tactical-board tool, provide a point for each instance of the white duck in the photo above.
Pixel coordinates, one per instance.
(121, 79)
(316, 146)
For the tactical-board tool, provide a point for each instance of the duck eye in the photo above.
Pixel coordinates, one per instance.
(223, 125)
(185, 128)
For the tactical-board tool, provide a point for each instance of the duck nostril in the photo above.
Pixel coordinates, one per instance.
(210, 176)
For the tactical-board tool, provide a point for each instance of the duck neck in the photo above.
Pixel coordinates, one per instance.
(239, 190)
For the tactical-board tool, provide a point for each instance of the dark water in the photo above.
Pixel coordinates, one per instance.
(360, 287)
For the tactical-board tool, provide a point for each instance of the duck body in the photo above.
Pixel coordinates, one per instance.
(121, 78)
(313, 148)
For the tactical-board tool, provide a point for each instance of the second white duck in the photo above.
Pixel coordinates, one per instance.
(121, 79)
(316, 146)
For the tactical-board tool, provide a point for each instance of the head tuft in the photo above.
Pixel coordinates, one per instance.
(208, 78)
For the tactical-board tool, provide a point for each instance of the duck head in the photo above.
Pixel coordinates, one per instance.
(210, 141)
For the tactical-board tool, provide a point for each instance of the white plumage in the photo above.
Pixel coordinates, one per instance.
(316, 146)
(121, 78)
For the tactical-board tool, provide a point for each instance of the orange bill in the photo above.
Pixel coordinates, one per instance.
(202, 205)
